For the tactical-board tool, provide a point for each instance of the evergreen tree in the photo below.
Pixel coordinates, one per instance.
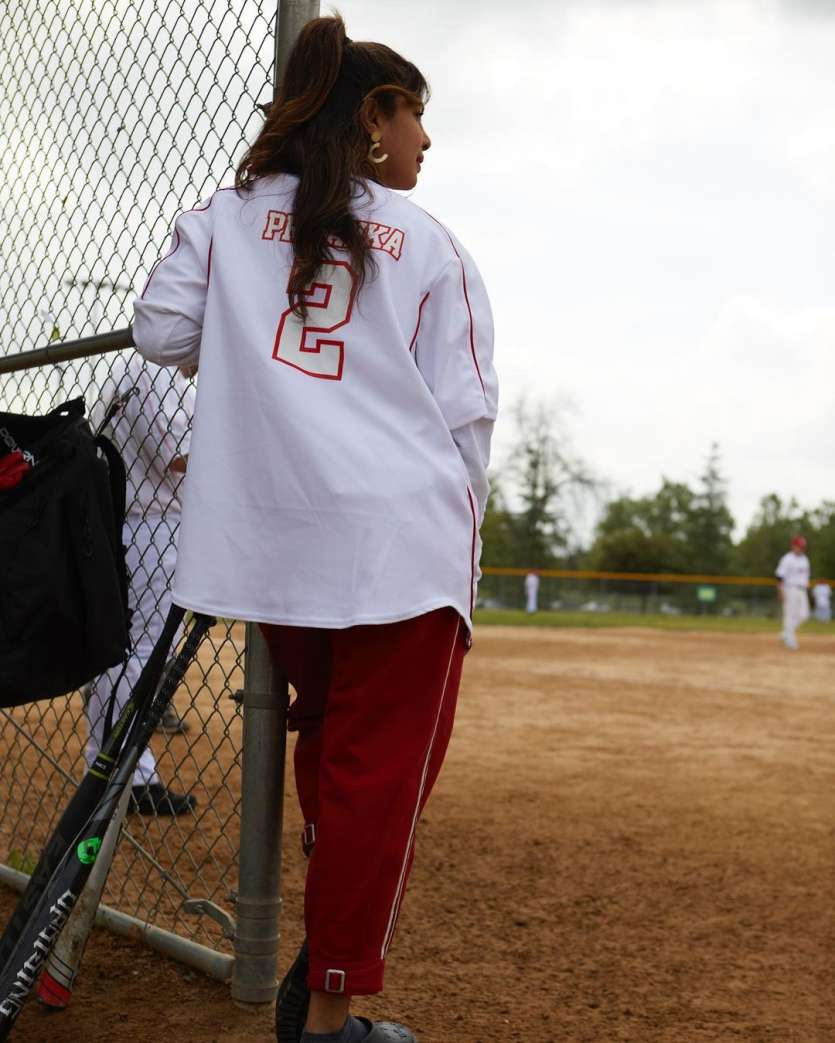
(546, 477)
(710, 523)
(768, 536)
(821, 536)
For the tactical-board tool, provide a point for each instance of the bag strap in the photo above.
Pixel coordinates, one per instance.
(117, 477)
(118, 495)
(117, 403)
(107, 728)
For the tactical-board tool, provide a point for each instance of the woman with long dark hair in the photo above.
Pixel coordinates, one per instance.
(337, 475)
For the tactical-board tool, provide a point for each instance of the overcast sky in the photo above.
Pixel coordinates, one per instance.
(647, 185)
(648, 189)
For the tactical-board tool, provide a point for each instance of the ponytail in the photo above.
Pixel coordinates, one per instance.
(313, 130)
(312, 69)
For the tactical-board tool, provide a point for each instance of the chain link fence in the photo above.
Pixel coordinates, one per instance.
(564, 591)
(118, 114)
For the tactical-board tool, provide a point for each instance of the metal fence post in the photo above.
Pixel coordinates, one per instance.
(262, 800)
(292, 16)
(265, 702)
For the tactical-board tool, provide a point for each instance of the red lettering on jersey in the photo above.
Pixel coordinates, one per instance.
(394, 244)
(278, 223)
(382, 237)
(379, 237)
(375, 234)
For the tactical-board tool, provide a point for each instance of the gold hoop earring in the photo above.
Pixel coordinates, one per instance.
(376, 138)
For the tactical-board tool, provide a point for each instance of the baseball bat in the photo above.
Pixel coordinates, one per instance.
(64, 962)
(59, 897)
(62, 966)
(92, 786)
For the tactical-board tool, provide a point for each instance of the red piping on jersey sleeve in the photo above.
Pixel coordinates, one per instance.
(209, 261)
(472, 553)
(173, 250)
(170, 253)
(417, 327)
(466, 298)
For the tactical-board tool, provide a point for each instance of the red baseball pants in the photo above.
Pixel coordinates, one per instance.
(374, 713)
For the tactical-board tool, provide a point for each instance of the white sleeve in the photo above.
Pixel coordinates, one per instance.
(780, 571)
(454, 343)
(473, 442)
(168, 317)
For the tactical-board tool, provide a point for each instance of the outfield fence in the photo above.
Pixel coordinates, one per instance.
(578, 590)
(116, 116)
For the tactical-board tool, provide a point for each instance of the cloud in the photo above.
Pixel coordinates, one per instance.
(646, 187)
(757, 379)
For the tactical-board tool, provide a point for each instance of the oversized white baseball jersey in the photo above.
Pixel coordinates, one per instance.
(326, 486)
(794, 570)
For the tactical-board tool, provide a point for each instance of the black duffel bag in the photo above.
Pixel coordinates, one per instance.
(63, 583)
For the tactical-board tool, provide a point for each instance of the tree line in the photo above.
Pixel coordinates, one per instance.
(682, 527)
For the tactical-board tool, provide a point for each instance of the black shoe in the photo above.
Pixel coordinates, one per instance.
(157, 800)
(170, 723)
(292, 1000)
(388, 1032)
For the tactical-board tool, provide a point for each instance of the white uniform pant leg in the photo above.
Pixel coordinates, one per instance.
(795, 612)
(151, 557)
(531, 603)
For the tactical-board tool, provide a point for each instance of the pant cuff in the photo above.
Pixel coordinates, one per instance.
(352, 979)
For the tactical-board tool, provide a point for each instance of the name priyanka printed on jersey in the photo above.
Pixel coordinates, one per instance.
(279, 224)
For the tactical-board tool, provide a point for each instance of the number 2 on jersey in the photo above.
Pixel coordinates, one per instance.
(330, 300)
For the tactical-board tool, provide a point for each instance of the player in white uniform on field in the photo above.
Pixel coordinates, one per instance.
(793, 573)
(337, 475)
(151, 430)
(531, 592)
(822, 596)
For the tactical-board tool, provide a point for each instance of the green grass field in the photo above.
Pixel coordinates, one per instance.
(590, 620)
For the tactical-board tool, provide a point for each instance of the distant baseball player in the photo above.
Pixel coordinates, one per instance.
(337, 475)
(793, 577)
(531, 591)
(152, 432)
(822, 596)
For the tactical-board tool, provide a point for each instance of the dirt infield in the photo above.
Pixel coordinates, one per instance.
(632, 839)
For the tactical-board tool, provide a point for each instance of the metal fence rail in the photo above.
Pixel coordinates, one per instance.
(116, 116)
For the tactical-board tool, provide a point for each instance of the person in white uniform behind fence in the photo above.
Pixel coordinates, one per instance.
(531, 591)
(822, 595)
(152, 431)
(792, 574)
